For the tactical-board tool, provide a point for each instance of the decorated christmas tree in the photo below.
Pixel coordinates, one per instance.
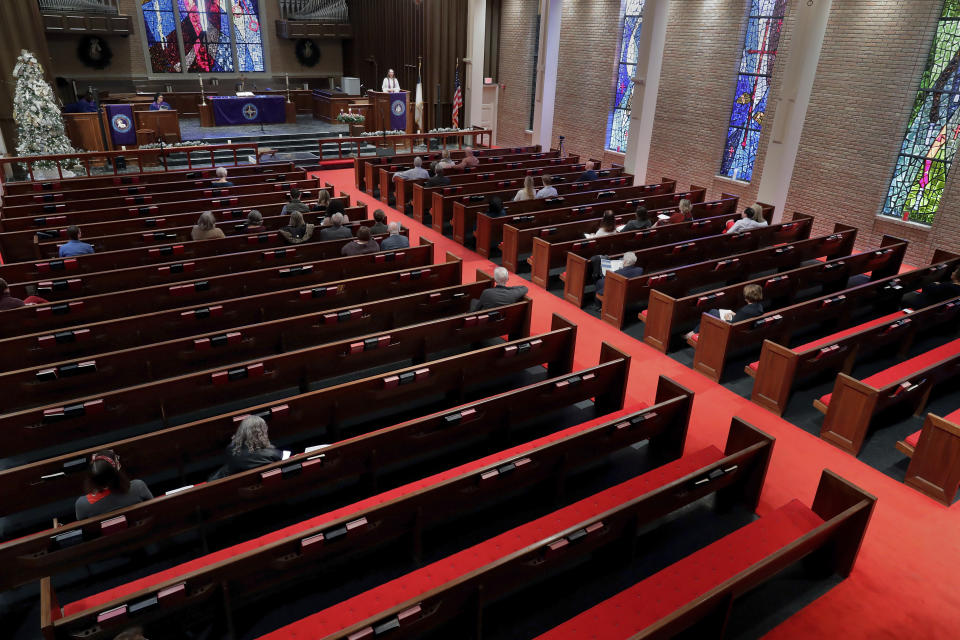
(39, 123)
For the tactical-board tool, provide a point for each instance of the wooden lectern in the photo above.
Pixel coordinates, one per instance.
(165, 123)
(380, 110)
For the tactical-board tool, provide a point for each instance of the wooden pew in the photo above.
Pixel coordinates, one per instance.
(851, 407)
(188, 323)
(435, 498)
(425, 599)
(55, 478)
(779, 368)
(560, 224)
(682, 245)
(140, 206)
(93, 182)
(170, 514)
(390, 185)
(705, 585)
(364, 167)
(289, 171)
(934, 454)
(464, 224)
(121, 241)
(718, 339)
(669, 313)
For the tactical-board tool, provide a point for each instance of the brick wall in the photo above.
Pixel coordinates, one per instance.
(869, 70)
(518, 19)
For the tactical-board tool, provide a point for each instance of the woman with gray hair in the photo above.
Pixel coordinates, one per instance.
(250, 447)
(206, 228)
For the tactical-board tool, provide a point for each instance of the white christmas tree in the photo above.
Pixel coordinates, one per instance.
(39, 123)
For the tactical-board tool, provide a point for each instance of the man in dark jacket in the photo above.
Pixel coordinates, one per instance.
(588, 173)
(438, 180)
(380, 226)
(336, 230)
(498, 295)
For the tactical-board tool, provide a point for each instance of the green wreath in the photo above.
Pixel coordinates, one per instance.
(308, 53)
(94, 52)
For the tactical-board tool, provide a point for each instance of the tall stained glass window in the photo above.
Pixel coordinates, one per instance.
(246, 29)
(217, 35)
(618, 122)
(931, 138)
(161, 28)
(753, 87)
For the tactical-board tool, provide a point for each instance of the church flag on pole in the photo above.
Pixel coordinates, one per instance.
(418, 102)
(457, 98)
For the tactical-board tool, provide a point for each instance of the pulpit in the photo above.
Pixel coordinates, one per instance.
(390, 111)
(165, 123)
(83, 130)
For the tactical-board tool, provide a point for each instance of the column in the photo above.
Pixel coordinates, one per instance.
(550, 13)
(646, 85)
(476, 30)
(791, 108)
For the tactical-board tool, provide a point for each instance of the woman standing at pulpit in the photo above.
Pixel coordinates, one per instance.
(158, 104)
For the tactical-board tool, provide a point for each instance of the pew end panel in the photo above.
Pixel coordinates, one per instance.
(669, 444)
(846, 510)
(575, 279)
(941, 255)
(563, 364)
(774, 377)
(658, 320)
(713, 343)
(614, 307)
(540, 263)
(848, 416)
(613, 398)
(50, 610)
(743, 437)
(935, 462)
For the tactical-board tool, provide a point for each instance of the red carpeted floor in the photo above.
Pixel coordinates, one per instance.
(907, 580)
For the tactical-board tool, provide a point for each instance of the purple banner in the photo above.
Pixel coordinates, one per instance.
(120, 123)
(398, 111)
(233, 110)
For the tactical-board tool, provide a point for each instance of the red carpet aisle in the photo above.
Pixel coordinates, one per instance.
(907, 580)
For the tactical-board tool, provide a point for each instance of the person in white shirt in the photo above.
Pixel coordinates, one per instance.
(390, 84)
(751, 218)
(528, 192)
(608, 225)
(548, 190)
(445, 161)
(416, 172)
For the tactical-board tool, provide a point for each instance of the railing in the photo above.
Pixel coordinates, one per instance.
(315, 10)
(109, 7)
(102, 163)
(409, 142)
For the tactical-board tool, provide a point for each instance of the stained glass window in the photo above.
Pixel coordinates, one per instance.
(753, 86)
(931, 138)
(161, 28)
(205, 26)
(246, 30)
(618, 122)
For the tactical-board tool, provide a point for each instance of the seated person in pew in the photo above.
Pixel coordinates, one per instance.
(438, 179)
(74, 247)
(293, 203)
(752, 295)
(7, 301)
(684, 214)
(468, 161)
(499, 294)
(108, 487)
(362, 244)
(255, 222)
(206, 228)
(323, 201)
(335, 207)
(588, 173)
(249, 448)
(548, 190)
(415, 173)
(221, 180)
(528, 192)
(394, 240)
(608, 225)
(445, 161)
(297, 230)
(380, 226)
(641, 220)
(495, 207)
(629, 269)
(933, 292)
(751, 218)
(336, 230)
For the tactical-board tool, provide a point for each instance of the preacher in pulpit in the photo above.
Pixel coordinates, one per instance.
(158, 104)
(390, 84)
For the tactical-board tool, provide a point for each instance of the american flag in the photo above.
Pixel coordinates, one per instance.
(457, 99)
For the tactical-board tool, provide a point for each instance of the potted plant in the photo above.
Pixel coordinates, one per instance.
(355, 120)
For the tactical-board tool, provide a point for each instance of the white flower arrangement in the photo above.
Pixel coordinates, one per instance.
(392, 132)
(173, 145)
(448, 130)
(346, 117)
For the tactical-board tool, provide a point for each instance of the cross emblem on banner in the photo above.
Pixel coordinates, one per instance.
(249, 111)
